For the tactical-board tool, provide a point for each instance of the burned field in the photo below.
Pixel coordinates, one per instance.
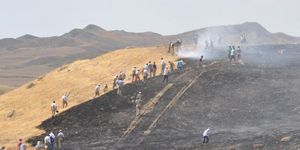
(251, 106)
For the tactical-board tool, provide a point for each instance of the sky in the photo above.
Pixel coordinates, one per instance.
(54, 17)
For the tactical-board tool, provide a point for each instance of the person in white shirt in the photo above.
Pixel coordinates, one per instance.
(232, 59)
(52, 140)
(163, 65)
(60, 139)
(165, 74)
(97, 90)
(205, 135)
(65, 100)
(54, 108)
(47, 142)
(23, 147)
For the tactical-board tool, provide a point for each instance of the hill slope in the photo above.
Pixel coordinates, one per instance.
(31, 101)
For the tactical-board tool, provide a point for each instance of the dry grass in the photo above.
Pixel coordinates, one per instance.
(31, 101)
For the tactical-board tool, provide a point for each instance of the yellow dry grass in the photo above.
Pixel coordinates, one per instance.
(32, 105)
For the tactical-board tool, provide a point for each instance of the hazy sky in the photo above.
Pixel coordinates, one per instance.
(55, 17)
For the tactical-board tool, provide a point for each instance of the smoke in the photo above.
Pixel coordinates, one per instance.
(205, 44)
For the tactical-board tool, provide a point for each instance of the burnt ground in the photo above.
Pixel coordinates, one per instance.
(251, 106)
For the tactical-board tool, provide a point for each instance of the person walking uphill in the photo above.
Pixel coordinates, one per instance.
(205, 136)
(54, 108)
(65, 100)
(97, 90)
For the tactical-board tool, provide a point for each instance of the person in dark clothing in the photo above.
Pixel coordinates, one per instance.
(154, 69)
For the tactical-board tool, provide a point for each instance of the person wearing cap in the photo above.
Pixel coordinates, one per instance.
(97, 90)
(39, 146)
(60, 139)
(54, 108)
(205, 135)
(138, 103)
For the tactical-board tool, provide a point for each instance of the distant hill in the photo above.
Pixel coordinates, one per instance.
(24, 58)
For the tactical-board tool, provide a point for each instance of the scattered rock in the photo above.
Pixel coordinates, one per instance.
(10, 114)
(286, 139)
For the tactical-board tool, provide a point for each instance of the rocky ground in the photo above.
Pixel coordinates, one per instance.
(250, 106)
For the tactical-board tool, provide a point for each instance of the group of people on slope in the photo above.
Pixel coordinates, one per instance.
(234, 54)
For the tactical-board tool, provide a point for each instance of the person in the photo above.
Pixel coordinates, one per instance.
(229, 52)
(171, 66)
(39, 146)
(170, 47)
(150, 68)
(60, 139)
(120, 83)
(19, 144)
(2, 147)
(138, 103)
(163, 65)
(154, 69)
(47, 142)
(239, 53)
(133, 74)
(180, 65)
(23, 146)
(54, 108)
(165, 74)
(97, 90)
(65, 100)
(52, 140)
(232, 54)
(137, 76)
(201, 61)
(105, 88)
(114, 82)
(205, 135)
(145, 74)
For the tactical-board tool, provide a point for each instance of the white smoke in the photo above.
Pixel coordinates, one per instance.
(204, 46)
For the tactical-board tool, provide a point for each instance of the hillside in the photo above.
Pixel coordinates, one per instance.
(31, 101)
(27, 57)
(251, 106)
